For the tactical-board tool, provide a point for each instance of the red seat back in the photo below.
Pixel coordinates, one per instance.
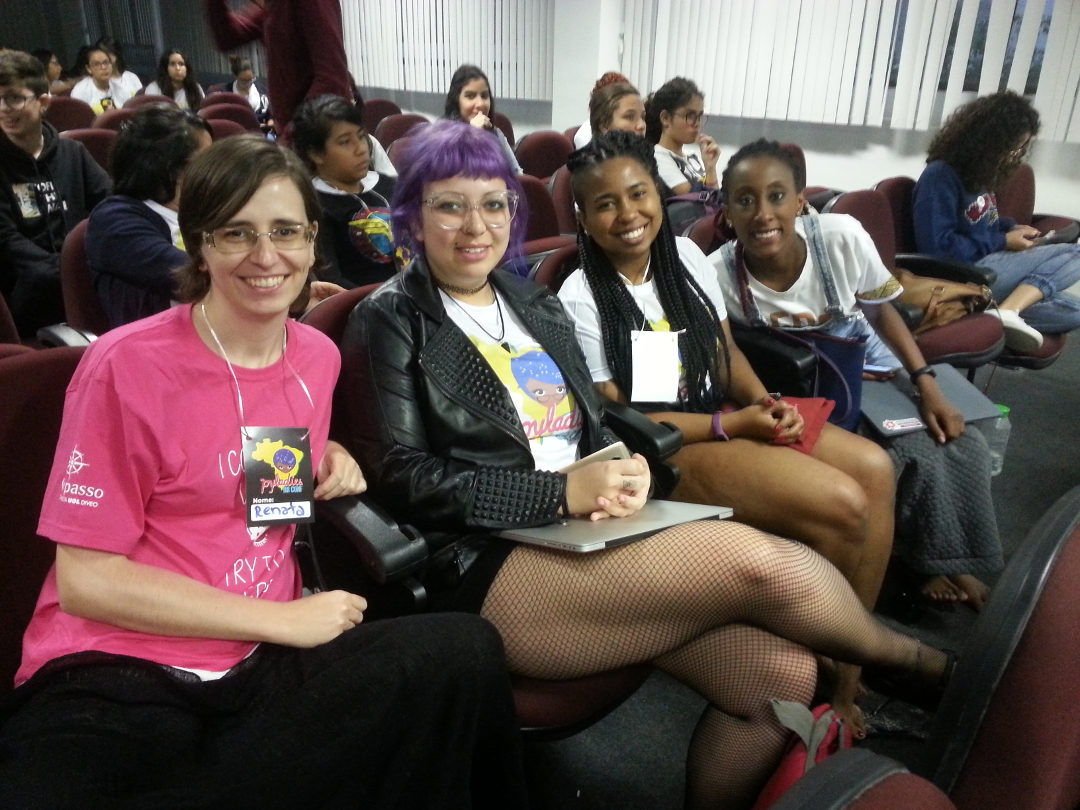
(223, 128)
(396, 126)
(898, 191)
(554, 269)
(541, 154)
(82, 308)
(66, 113)
(244, 116)
(543, 221)
(1016, 198)
(872, 210)
(113, 119)
(505, 126)
(98, 142)
(376, 109)
(144, 99)
(227, 97)
(32, 386)
(562, 195)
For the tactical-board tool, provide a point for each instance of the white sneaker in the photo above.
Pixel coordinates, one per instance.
(1018, 335)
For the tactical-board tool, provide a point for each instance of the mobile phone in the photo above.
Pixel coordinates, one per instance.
(610, 453)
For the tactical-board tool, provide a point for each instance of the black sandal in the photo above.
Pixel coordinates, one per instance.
(911, 686)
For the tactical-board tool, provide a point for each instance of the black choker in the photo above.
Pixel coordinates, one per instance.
(442, 285)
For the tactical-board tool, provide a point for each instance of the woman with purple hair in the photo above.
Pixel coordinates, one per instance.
(447, 439)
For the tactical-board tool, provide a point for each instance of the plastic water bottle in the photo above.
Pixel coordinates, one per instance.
(997, 436)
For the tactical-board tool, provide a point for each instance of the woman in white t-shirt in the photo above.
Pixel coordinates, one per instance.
(637, 281)
(100, 89)
(685, 157)
(585, 131)
(946, 528)
(176, 78)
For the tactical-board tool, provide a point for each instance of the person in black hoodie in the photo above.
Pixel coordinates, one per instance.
(355, 236)
(48, 184)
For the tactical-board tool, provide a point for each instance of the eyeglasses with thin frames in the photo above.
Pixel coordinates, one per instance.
(243, 240)
(451, 210)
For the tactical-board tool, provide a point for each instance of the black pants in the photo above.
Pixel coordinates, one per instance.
(404, 713)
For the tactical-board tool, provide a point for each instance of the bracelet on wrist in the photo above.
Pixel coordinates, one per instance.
(718, 428)
(919, 372)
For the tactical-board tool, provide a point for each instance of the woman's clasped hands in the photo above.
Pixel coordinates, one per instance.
(608, 488)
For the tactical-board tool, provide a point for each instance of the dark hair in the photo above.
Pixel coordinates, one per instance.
(112, 48)
(45, 56)
(238, 64)
(191, 85)
(673, 94)
(443, 150)
(976, 139)
(313, 121)
(217, 184)
(702, 344)
(763, 147)
(78, 66)
(17, 67)
(462, 76)
(153, 149)
(604, 101)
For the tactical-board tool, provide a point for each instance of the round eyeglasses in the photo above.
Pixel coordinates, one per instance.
(694, 118)
(241, 240)
(451, 210)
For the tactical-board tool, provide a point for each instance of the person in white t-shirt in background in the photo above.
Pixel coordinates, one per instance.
(176, 79)
(115, 50)
(244, 85)
(100, 89)
(685, 157)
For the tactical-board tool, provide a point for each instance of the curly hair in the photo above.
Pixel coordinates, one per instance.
(763, 147)
(702, 344)
(979, 140)
(673, 94)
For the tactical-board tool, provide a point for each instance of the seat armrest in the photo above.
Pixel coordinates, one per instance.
(388, 551)
(61, 334)
(657, 441)
(922, 264)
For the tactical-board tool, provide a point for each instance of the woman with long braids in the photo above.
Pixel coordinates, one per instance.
(451, 442)
(637, 278)
(955, 216)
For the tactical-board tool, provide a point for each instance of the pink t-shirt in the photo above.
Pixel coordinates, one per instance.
(149, 466)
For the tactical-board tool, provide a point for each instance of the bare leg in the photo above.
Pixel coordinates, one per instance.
(564, 615)
(1022, 297)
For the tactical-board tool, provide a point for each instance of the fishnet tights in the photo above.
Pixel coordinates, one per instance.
(712, 603)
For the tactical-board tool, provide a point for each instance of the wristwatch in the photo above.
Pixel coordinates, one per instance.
(913, 376)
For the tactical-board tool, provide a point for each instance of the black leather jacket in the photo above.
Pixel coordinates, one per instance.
(434, 428)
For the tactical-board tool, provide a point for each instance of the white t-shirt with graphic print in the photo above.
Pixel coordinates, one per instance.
(857, 270)
(674, 169)
(549, 415)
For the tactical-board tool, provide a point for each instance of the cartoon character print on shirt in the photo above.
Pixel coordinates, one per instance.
(103, 105)
(985, 205)
(371, 234)
(547, 409)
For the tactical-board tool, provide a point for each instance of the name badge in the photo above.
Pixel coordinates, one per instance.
(278, 477)
(656, 366)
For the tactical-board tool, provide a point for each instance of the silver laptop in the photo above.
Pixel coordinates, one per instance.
(581, 534)
(890, 406)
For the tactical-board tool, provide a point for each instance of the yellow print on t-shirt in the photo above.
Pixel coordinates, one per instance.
(537, 388)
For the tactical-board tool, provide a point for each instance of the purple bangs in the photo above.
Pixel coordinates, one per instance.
(448, 149)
